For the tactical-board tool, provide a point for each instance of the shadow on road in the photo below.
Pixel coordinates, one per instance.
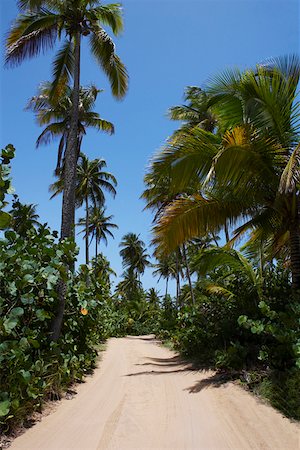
(176, 363)
(215, 380)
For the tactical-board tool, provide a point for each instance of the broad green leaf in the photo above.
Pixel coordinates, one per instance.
(42, 314)
(26, 375)
(5, 219)
(4, 408)
(16, 312)
(10, 323)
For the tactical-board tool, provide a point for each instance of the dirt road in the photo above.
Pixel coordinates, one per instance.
(144, 397)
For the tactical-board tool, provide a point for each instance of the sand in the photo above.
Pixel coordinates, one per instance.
(143, 396)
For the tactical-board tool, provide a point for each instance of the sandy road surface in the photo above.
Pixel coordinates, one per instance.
(144, 397)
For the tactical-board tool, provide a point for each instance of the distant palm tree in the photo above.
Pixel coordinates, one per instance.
(134, 254)
(91, 181)
(152, 296)
(166, 268)
(196, 112)
(57, 116)
(102, 269)
(99, 226)
(24, 217)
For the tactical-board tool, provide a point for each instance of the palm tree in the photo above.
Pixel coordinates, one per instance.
(152, 296)
(24, 217)
(36, 29)
(91, 181)
(99, 226)
(134, 254)
(102, 269)
(57, 116)
(196, 112)
(235, 263)
(41, 24)
(166, 268)
(249, 175)
(130, 287)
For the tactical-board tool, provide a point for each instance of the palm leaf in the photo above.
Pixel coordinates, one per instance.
(50, 132)
(110, 15)
(103, 50)
(63, 69)
(93, 120)
(291, 174)
(31, 34)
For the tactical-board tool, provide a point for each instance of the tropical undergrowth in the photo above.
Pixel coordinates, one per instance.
(32, 261)
(253, 337)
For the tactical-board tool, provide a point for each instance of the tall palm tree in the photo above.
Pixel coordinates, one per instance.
(100, 226)
(133, 253)
(57, 116)
(91, 182)
(40, 25)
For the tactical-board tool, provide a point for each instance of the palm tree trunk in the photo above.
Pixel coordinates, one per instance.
(295, 246)
(295, 256)
(96, 249)
(188, 273)
(214, 239)
(68, 203)
(167, 281)
(227, 237)
(87, 220)
(177, 281)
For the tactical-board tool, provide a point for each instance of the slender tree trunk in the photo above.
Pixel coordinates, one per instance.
(96, 249)
(167, 281)
(227, 237)
(87, 224)
(295, 246)
(295, 256)
(215, 240)
(188, 273)
(68, 203)
(177, 280)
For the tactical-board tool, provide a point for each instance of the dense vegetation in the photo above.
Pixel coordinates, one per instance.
(232, 170)
(228, 175)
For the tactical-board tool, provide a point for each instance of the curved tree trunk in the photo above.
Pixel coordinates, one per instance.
(68, 203)
(188, 273)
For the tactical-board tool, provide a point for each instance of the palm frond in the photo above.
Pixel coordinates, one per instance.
(50, 132)
(103, 50)
(291, 174)
(210, 259)
(194, 216)
(93, 120)
(63, 69)
(110, 15)
(31, 34)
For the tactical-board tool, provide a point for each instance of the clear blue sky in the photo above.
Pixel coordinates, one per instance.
(166, 45)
